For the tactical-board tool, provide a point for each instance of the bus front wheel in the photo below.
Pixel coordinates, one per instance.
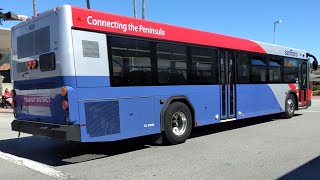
(177, 123)
(290, 107)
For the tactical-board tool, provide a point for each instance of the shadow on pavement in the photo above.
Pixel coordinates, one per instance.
(58, 153)
(220, 127)
(310, 170)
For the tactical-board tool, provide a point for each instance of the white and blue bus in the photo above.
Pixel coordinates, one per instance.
(89, 76)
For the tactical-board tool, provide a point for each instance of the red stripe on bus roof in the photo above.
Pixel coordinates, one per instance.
(106, 22)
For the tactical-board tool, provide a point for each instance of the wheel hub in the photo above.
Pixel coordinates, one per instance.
(290, 105)
(179, 123)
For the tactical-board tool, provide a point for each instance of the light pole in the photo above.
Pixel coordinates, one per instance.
(274, 29)
(34, 3)
(143, 8)
(88, 4)
(135, 8)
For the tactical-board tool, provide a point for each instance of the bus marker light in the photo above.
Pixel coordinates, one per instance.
(83, 125)
(80, 19)
(63, 91)
(197, 123)
(161, 101)
(65, 105)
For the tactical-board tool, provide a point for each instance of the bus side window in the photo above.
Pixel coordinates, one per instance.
(131, 62)
(290, 70)
(275, 70)
(172, 65)
(204, 66)
(243, 67)
(259, 70)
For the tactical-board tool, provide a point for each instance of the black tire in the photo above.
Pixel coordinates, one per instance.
(172, 124)
(290, 107)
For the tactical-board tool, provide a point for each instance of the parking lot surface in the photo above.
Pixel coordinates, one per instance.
(256, 148)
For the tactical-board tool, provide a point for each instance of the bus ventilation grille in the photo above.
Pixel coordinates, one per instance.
(102, 118)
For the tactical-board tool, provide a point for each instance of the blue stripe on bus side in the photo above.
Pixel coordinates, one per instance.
(100, 81)
(58, 81)
(141, 105)
(256, 100)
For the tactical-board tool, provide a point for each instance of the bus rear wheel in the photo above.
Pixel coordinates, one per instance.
(290, 107)
(177, 123)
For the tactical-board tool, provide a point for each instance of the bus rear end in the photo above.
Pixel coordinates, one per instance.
(42, 59)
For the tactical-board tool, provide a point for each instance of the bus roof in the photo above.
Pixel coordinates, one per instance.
(106, 22)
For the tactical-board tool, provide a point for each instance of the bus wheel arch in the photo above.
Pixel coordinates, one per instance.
(295, 98)
(177, 106)
(291, 100)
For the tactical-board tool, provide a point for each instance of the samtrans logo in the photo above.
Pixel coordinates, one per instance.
(291, 53)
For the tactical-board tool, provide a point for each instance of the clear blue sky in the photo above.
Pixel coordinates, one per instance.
(249, 19)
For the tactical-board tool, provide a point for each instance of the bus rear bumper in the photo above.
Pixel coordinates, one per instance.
(58, 131)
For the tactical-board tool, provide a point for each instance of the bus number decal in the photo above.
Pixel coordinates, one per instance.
(148, 125)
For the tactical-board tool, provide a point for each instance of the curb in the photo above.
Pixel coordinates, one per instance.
(6, 111)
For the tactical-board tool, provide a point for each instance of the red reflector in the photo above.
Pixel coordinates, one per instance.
(83, 125)
(65, 105)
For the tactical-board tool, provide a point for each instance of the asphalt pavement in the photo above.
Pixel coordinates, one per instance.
(256, 148)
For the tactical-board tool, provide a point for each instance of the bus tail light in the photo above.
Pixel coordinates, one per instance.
(64, 91)
(65, 105)
(33, 64)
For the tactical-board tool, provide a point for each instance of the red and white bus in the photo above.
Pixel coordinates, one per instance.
(90, 76)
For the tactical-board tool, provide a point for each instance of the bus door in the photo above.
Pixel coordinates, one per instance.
(227, 85)
(303, 83)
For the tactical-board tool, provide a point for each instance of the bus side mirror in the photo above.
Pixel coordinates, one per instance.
(315, 65)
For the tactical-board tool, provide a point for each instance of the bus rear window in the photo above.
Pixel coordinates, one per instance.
(47, 62)
(33, 43)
